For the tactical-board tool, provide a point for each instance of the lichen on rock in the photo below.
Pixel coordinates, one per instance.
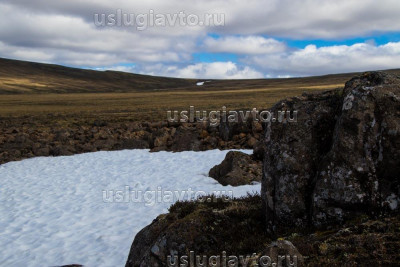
(340, 160)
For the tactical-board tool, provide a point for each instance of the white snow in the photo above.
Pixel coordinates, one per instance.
(53, 211)
(393, 201)
(200, 83)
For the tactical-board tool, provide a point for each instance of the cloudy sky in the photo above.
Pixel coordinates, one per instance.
(205, 39)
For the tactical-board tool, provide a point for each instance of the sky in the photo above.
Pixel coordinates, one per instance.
(209, 39)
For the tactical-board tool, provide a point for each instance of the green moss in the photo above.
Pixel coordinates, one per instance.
(235, 226)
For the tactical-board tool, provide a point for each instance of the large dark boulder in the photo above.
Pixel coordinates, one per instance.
(341, 158)
(206, 228)
(361, 173)
(237, 169)
(292, 154)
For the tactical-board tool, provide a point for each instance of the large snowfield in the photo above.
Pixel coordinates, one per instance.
(87, 208)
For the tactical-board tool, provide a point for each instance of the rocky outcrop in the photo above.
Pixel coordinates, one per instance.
(206, 228)
(337, 167)
(237, 169)
(28, 140)
(341, 159)
(237, 228)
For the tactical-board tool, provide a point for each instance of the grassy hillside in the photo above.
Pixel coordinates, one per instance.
(21, 77)
(42, 93)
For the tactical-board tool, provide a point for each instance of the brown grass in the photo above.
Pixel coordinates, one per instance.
(43, 94)
(139, 106)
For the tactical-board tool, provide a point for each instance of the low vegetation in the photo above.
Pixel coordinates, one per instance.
(55, 96)
(360, 242)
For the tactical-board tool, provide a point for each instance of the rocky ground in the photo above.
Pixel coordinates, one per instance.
(330, 182)
(238, 228)
(330, 188)
(237, 169)
(23, 139)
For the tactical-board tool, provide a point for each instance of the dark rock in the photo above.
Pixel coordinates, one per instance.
(99, 123)
(61, 135)
(25, 142)
(133, 144)
(340, 159)
(207, 228)
(186, 138)
(59, 151)
(284, 253)
(162, 137)
(291, 153)
(148, 245)
(361, 171)
(237, 169)
(41, 152)
(251, 142)
(259, 150)
(229, 129)
(256, 127)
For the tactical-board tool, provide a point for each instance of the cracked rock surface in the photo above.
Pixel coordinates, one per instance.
(341, 158)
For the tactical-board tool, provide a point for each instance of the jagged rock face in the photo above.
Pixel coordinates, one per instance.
(237, 169)
(18, 141)
(292, 153)
(340, 158)
(362, 170)
(206, 228)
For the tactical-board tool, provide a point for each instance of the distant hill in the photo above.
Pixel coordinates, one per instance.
(22, 77)
(18, 77)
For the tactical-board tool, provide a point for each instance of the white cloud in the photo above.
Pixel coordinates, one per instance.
(244, 45)
(72, 41)
(119, 68)
(283, 18)
(317, 19)
(331, 59)
(63, 32)
(214, 70)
